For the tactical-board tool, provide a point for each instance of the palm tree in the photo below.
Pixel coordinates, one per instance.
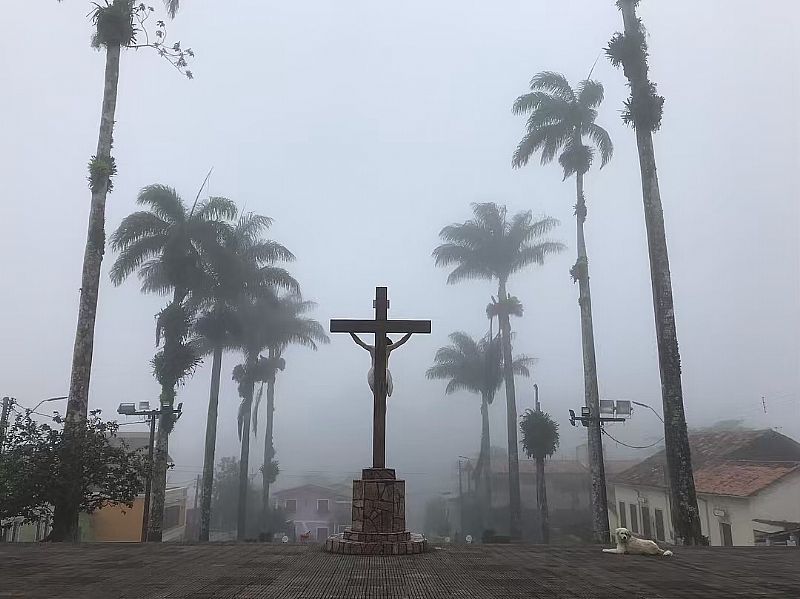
(560, 119)
(643, 111)
(492, 246)
(540, 441)
(113, 29)
(476, 367)
(241, 266)
(166, 245)
(289, 327)
(265, 323)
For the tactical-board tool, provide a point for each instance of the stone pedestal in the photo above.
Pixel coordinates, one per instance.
(379, 518)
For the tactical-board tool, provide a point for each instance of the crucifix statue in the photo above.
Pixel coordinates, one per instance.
(380, 379)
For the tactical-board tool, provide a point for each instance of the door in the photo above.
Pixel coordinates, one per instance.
(660, 525)
(322, 533)
(726, 533)
(647, 531)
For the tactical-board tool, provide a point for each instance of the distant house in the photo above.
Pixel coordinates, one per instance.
(314, 509)
(748, 489)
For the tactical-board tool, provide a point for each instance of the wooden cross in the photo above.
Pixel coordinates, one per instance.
(380, 327)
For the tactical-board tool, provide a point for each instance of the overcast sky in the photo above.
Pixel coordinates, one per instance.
(363, 128)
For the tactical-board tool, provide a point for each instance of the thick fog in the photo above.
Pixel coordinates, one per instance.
(363, 128)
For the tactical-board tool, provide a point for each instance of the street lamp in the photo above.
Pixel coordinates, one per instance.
(129, 409)
(48, 399)
(644, 405)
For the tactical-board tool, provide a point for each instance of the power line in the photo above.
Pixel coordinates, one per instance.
(630, 446)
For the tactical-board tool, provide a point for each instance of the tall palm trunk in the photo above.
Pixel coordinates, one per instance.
(65, 521)
(211, 446)
(269, 453)
(244, 459)
(166, 422)
(580, 272)
(486, 462)
(683, 498)
(514, 501)
(541, 501)
(159, 474)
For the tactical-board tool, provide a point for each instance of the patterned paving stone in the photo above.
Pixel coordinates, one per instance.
(215, 571)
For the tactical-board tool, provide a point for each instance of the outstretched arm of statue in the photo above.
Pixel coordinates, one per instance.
(358, 341)
(405, 338)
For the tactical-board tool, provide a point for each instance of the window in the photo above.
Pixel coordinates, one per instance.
(172, 516)
(634, 519)
(660, 525)
(322, 506)
(647, 530)
(291, 505)
(623, 517)
(726, 533)
(322, 533)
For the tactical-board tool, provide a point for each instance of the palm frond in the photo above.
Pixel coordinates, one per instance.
(163, 201)
(268, 252)
(135, 254)
(154, 277)
(536, 254)
(135, 226)
(216, 208)
(172, 7)
(590, 93)
(554, 83)
(602, 140)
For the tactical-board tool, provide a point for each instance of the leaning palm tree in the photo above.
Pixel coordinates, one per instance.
(475, 366)
(289, 326)
(114, 29)
(166, 245)
(242, 265)
(540, 441)
(643, 111)
(492, 246)
(560, 119)
(117, 23)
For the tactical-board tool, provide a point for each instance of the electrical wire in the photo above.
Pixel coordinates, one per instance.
(606, 433)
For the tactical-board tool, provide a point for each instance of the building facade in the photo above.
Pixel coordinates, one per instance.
(747, 482)
(316, 511)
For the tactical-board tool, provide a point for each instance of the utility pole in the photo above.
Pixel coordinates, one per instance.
(7, 402)
(196, 490)
(536, 397)
(129, 409)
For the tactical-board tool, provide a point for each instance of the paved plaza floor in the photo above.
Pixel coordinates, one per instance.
(115, 571)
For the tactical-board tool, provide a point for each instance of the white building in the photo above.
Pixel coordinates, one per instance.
(747, 482)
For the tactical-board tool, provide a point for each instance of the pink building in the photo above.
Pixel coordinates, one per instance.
(317, 512)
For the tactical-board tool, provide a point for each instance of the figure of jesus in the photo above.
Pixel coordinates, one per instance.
(390, 347)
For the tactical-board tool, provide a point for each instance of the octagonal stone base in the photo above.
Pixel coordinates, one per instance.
(380, 545)
(379, 518)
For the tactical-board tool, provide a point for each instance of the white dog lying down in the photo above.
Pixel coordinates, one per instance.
(627, 543)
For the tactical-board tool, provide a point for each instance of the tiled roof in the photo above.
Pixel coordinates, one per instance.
(741, 479)
(738, 463)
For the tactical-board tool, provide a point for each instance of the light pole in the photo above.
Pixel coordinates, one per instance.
(129, 409)
(461, 494)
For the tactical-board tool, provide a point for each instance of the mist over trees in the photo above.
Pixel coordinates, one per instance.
(396, 173)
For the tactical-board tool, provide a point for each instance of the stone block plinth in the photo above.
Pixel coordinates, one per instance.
(379, 518)
(379, 502)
